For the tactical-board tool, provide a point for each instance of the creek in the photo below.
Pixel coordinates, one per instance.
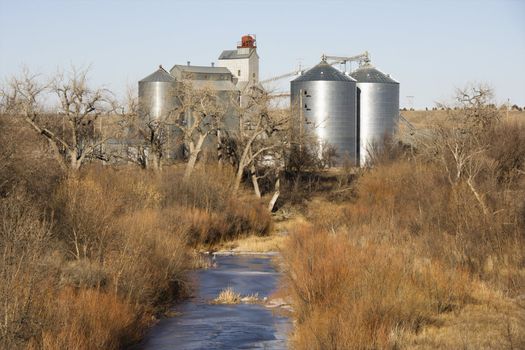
(200, 324)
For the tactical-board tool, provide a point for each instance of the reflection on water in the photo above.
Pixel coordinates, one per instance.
(206, 326)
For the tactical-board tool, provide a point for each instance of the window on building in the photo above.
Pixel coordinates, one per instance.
(253, 75)
(239, 73)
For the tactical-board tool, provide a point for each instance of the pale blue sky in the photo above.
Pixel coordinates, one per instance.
(431, 47)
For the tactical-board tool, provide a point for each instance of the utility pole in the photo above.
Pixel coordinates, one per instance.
(410, 101)
(301, 119)
(101, 138)
(299, 64)
(508, 107)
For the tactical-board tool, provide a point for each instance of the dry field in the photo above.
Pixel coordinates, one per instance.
(424, 119)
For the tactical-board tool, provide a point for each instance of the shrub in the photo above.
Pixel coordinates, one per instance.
(88, 319)
(149, 268)
(84, 210)
(24, 241)
(361, 293)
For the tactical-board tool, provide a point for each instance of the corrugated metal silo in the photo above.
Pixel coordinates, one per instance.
(156, 94)
(156, 101)
(378, 108)
(327, 101)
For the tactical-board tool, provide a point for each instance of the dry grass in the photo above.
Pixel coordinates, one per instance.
(251, 299)
(425, 119)
(283, 226)
(201, 260)
(256, 244)
(374, 295)
(89, 319)
(228, 296)
(493, 322)
(361, 293)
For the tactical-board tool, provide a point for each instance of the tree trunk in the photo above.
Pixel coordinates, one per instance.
(156, 161)
(238, 178)
(219, 149)
(59, 158)
(53, 142)
(255, 182)
(478, 196)
(194, 154)
(240, 169)
(275, 196)
(75, 162)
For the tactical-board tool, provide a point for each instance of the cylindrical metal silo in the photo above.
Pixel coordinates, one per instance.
(156, 95)
(156, 101)
(326, 101)
(378, 108)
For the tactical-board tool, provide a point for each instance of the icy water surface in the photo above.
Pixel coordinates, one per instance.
(202, 325)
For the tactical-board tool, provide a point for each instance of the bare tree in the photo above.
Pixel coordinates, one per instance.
(80, 106)
(200, 112)
(458, 143)
(70, 129)
(474, 107)
(307, 152)
(462, 156)
(136, 125)
(261, 137)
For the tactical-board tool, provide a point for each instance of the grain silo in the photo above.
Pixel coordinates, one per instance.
(156, 95)
(378, 108)
(326, 101)
(157, 100)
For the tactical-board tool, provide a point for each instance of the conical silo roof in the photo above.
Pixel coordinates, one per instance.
(369, 74)
(160, 75)
(323, 71)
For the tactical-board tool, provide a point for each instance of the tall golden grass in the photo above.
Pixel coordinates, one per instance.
(352, 297)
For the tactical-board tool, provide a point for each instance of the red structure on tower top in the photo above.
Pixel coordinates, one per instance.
(247, 41)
